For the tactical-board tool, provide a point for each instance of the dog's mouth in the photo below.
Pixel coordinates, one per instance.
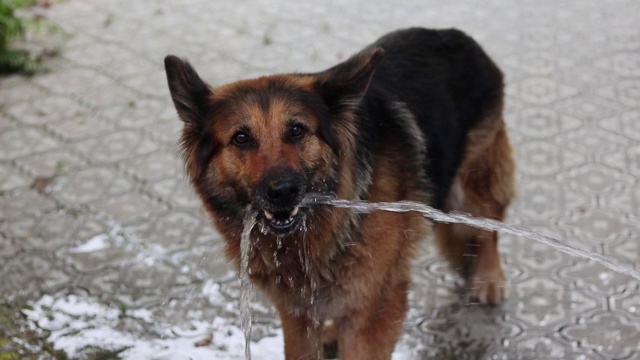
(282, 221)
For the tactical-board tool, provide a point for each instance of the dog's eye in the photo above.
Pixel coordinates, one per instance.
(296, 131)
(240, 138)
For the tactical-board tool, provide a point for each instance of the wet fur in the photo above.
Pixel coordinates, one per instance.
(414, 116)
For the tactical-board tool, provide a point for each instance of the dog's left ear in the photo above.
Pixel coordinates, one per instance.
(344, 84)
(189, 92)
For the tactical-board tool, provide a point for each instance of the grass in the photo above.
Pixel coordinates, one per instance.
(13, 29)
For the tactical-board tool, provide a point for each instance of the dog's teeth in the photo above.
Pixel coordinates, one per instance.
(295, 211)
(268, 215)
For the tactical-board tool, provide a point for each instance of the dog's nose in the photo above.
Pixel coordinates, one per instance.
(283, 192)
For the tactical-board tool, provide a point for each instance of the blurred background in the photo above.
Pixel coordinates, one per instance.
(106, 254)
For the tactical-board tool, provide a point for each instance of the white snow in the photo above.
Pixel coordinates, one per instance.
(76, 322)
(96, 243)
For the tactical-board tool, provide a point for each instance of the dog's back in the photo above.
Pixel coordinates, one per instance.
(447, 83)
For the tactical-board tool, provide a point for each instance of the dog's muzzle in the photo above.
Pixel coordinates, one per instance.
(279, 197)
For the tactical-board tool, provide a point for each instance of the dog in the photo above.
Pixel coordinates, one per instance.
(417, 115)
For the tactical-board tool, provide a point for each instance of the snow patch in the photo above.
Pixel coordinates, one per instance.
(96, 243)
(75, 323)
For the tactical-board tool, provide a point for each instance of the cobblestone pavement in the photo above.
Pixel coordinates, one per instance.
(94, 208)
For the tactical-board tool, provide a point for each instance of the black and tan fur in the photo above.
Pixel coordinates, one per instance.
(417, 116)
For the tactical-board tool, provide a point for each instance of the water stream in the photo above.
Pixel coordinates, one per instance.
(245, 283)
(428, 212)
(482, 223)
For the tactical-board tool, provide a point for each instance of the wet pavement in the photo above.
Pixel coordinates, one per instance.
(102, 237)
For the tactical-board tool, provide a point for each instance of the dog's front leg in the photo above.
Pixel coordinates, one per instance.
(302, 340)
(371, 333)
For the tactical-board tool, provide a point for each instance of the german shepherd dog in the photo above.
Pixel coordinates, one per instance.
(415, 116)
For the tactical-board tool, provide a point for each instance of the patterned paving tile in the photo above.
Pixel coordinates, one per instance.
(45, 275)
(610, 334)
(11, 178)
(24, 141)
(90, 184)
(544, 123)
(115, 147)
(176, 190)
(47, 110)
(154, 166)
(626, 92)
(586, 275)
(28, 203)
(55, 162)
(129, 207)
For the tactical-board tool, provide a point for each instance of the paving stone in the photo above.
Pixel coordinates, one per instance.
(547, 347)
(14, 89)
(11, 178)
(544, 123)
(129, 207)
(90, 184)
(168, 132)
(545, 303)
(541, 158)
(24, 204)
(115, 147)
(155, 166)
(595, 178)
(47, 110)
(50, 163)
(176, 190)
(95, 262)
(610, 334)
(23, 141)
(78, 128)
(597, 279)
(625, 124)
(45, 275)
(178, 229)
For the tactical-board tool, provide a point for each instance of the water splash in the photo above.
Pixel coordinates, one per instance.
(245, 283)
(482, 223)
(400, 206)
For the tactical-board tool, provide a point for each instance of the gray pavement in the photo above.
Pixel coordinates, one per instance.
(102, 237)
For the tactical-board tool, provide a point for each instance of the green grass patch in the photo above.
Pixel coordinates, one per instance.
(13, 29)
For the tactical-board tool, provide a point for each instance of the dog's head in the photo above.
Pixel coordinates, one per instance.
(270, 141)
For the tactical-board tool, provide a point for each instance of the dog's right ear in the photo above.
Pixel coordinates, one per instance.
(189, 93)
(343, 85)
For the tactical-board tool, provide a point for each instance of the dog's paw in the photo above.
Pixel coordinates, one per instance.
(489, 287)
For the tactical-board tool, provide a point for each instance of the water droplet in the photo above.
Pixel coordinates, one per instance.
(605, 277)
(276, 262)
